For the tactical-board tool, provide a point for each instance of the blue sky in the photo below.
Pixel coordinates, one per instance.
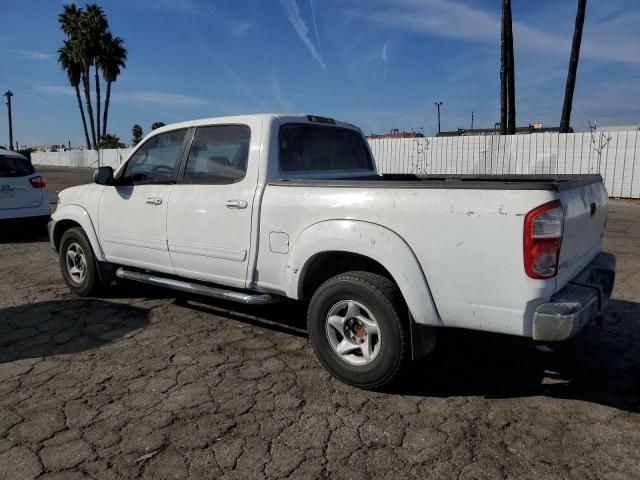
(377, 63)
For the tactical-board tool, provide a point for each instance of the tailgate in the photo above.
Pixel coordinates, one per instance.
(17, 192)
(585, 213)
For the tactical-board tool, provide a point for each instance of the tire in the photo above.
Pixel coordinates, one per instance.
(361, 315)
(80, 273)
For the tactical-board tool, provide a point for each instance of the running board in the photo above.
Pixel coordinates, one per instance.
(230, 295)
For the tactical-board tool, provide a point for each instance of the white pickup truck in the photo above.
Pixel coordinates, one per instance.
(252, 208)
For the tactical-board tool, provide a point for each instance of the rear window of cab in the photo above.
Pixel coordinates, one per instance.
(306, 147)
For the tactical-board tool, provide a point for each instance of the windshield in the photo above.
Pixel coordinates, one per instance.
(15, 167)
(305, 148)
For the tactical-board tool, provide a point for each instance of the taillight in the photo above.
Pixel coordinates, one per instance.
(38, 182)
(542, 239)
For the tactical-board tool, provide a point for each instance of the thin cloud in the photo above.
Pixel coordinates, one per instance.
(301, 28)
(27, 54)
(385, 55)
(158, 97)
(239, 84)
(184, 7)
(451, 19)
(315, 26)
(195, 8)
(139, 96)
(276, 92)
(56, 89)
(240, 28)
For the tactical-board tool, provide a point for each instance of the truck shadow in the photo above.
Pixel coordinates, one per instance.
(23, 231)
(286, 316)
(59, 327)
(601, 365)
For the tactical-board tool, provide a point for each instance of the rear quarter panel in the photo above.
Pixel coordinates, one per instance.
(468, 243)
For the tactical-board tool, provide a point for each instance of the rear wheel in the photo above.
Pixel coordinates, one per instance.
(358, 329)
(78, 264)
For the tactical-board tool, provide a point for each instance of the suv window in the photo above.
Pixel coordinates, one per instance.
(15, 167)
(305, 148)
(218, 154)
(157, 160)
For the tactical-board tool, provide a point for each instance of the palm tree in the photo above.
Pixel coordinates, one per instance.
(93, 45)
(72, 22)
(94, 29)
(136, 134)
(112, 58)
(69, 20)
(70, 64)
(573, 67)
(111, 141)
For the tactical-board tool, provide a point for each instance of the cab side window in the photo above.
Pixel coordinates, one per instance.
(218, 154)
(157, 160)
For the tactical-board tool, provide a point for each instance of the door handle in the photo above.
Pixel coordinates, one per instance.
(236, 204)
(153, 200)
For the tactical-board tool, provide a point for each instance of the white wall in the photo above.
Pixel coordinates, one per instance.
(615, 155)
(81, 158)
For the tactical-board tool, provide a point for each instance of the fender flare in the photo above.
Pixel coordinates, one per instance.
(369, 240)
(78, 214)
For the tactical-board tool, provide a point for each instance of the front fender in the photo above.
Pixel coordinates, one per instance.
(79, 215)
(370, 240)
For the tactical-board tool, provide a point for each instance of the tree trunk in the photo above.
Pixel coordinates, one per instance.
(84, 120)
(87, 96)
(511, 72)
(503, 74)
(106, 109)
(98, 107)
(573, 68)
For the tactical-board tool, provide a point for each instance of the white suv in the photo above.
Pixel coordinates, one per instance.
(23, 191)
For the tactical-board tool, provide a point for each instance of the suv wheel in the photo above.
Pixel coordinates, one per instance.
(357, 324)
(78, 264)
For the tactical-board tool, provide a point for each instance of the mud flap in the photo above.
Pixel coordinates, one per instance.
(423, 339)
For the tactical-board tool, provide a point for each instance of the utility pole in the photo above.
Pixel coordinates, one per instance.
(511, 77)
(9, 94)
(565, 120)
(438, 104)
(471, 119)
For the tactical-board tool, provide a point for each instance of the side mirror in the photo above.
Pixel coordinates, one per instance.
(103, 176)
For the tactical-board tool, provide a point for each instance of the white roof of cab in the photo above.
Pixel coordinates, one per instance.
(282, 117)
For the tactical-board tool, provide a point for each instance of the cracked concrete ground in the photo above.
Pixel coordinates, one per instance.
(141, 384)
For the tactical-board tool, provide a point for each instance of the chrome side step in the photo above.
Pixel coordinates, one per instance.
(230, 295)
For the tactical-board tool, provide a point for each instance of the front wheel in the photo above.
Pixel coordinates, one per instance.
(78, 264)
(357, 324)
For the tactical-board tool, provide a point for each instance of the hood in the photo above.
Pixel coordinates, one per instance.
(79, 194)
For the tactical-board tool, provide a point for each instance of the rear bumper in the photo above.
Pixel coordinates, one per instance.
(42, 210)
(581, 301)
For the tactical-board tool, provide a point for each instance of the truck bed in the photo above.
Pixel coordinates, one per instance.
(557, 183)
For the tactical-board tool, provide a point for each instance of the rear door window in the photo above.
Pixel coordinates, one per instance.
(15, 167)
(218, 154)
(307, 148)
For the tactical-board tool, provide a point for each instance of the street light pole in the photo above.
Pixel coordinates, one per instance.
(9, 94)
(438, 104)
